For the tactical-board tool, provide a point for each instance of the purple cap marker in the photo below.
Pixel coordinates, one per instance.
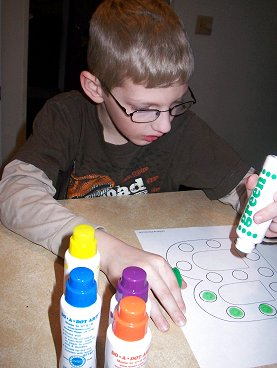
(132, 282)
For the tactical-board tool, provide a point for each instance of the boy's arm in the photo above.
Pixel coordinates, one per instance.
(27, 193)
(238, 197)
(28, 208)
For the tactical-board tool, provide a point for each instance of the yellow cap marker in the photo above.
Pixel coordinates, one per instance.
(83, 243)
(82, 251)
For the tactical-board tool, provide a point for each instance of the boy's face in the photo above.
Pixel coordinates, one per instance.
(119, 127)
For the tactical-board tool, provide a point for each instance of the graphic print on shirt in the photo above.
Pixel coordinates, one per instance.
(96, 185)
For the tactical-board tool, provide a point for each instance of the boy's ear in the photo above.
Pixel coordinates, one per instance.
(91, 86)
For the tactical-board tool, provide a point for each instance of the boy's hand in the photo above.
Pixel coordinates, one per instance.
(267, 213)
(117, 255)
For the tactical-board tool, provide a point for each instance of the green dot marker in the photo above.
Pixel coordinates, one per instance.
(235, 312)
(178, 276)
(267, 309)
(208, 296)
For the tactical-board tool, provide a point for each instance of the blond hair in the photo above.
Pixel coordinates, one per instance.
(141, 40)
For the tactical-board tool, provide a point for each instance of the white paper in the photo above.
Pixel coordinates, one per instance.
(231, 298)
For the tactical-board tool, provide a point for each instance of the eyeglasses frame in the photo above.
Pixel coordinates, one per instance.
(157, 111)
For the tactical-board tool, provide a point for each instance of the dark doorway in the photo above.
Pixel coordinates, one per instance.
(58, 37)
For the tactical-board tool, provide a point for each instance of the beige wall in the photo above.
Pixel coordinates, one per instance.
(236, 71)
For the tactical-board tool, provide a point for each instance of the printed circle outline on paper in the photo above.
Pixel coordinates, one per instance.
(253, 256)
(214, 277)
(235, 312)
(240, 275)
(265, 271)
(273, 286)
(212, 243)
(267, 309)
(184, 265)
(208, 296)
(185, 247)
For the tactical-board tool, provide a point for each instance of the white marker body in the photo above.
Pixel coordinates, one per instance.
(79, 329)
(130, 353)
(249, 233)
(70, 262)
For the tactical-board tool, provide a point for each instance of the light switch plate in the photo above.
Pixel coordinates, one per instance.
(204, 25)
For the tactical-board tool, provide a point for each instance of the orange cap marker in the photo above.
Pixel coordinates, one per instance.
(130, 319)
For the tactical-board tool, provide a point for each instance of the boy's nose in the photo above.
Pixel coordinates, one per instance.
(163, 123)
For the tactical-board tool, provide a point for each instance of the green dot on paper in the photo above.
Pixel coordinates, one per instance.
(208, 296)
(274, 176)
(268, 173)
(235, 312)
(267, 309)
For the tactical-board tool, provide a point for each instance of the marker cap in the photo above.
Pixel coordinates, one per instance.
(132, 282)
(178, 276)
(83, 243)
(130, 319)
(244, 245)
(81, 288)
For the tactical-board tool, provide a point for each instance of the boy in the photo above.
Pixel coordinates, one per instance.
(129, 133)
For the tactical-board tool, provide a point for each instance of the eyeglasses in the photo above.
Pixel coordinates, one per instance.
(149, 115)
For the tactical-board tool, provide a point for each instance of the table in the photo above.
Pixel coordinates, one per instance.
(32, 278)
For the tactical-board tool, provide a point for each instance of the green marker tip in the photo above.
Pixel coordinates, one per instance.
(178, 276)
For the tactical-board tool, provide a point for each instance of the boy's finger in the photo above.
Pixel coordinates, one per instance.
(173, 303)
(251, 182)
(176, 292)
(157, 316)
(267, 213)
